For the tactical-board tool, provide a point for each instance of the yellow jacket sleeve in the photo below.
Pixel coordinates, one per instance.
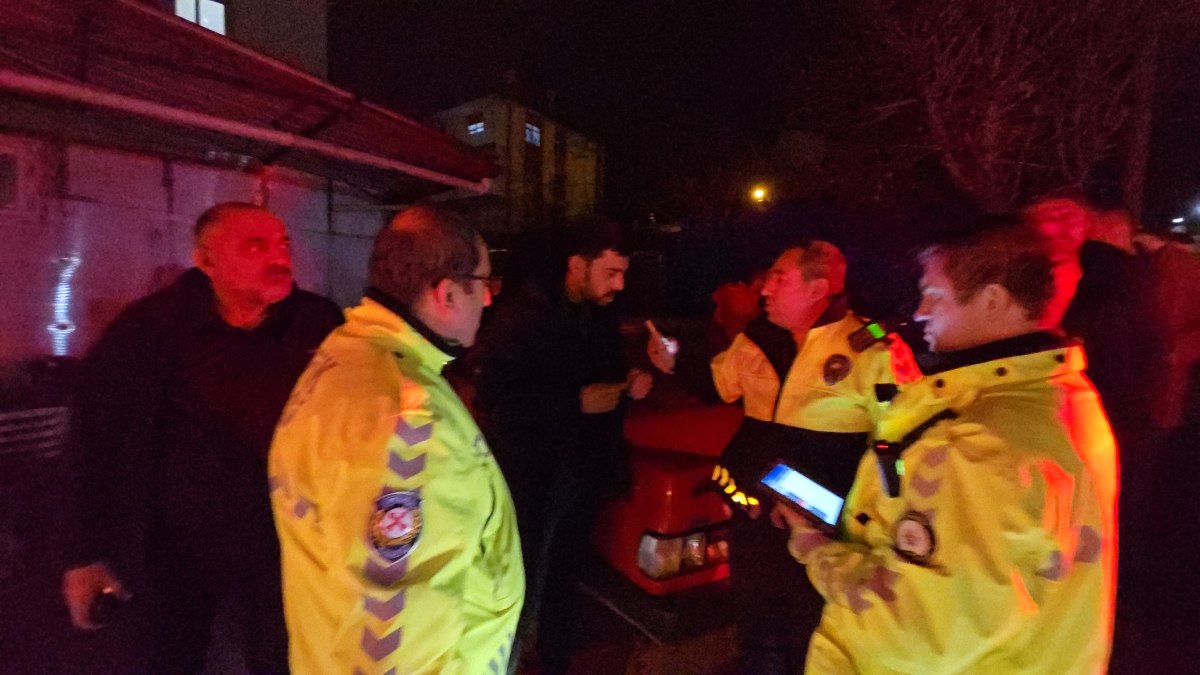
(728, 367)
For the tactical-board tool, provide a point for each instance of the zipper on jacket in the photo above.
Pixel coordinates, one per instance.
(782, 384)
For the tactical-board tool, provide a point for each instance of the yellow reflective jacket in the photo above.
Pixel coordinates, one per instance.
(829, 387)
(398, 535)
(819, 412)
(999, 553)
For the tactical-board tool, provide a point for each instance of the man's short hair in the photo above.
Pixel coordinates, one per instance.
(593, 236)
(823, 260)
(1005, 255)
(420, 247)
(216, 213)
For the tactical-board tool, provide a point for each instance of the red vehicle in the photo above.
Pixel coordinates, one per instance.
(670, 533)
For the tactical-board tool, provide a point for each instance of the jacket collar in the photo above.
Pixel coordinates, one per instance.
(381, 317)
(1027, 358)
(938, 362)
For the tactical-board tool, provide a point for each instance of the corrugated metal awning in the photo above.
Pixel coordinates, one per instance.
(121, 74)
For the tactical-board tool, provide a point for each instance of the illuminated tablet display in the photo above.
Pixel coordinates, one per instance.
(806, 493)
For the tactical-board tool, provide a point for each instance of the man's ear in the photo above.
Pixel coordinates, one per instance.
(445, 293)
(202, 260)
(996, 299)
(818, 288)
(576, 265)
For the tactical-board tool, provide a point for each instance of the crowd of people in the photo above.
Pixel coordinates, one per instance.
(244, 446)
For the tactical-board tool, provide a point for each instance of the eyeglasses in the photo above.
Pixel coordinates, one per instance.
(492, 283)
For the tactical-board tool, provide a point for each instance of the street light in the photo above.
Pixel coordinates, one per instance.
(759, 194)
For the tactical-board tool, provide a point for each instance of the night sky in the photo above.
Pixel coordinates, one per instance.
(664, 86)
(649, 80)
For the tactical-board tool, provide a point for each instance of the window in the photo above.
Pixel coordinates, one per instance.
(475, 128)
(209, 14)
(533, 134)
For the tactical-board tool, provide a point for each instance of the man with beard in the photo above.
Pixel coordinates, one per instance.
(172, 420)
(551, 382)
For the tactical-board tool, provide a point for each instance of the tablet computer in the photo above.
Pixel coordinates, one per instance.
(822, 506)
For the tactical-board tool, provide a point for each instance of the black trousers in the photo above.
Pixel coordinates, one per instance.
(775, 606)
(187, 582)
(555, 522)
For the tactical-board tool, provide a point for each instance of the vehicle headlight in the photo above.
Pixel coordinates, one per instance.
(661, 556)
(693, 551)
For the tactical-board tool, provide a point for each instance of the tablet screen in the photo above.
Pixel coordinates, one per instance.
(805, 493)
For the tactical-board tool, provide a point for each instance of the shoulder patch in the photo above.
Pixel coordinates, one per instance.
(870, 334)
(837, 367)
(914, 539)
(395, 526)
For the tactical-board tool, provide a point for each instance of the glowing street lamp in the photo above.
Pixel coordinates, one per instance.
(759, 194)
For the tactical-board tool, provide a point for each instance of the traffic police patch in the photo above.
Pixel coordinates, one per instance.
(837, 367)
(914, 538)
(396, 524)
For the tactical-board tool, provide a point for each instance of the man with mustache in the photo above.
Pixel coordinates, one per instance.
(173, 416)
(813, 379)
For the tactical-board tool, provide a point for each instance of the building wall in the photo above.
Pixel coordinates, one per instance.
(561, 178)
(93, 229)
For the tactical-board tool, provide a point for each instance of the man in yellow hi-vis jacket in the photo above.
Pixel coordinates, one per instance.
(813, 379)
(980, 536)
(399, 538)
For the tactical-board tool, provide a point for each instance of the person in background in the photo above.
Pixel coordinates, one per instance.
(398, 534)
(1101, 297)
(552, 381)
(735, 305)
(171, 423)
(981, 534)
(1109, 307)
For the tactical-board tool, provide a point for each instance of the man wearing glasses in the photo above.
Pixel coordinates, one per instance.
(397, 532)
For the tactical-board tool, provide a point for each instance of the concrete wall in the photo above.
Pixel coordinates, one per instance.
(91, 229)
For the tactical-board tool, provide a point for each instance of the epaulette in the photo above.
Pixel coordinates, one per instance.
(871, 334)
(904, 366)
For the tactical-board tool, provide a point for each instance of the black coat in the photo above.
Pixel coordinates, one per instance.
(536, 352)
(172, 419)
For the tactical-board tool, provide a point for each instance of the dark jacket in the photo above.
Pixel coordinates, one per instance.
(172, 418)
(532, 358)
(1111, 313)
